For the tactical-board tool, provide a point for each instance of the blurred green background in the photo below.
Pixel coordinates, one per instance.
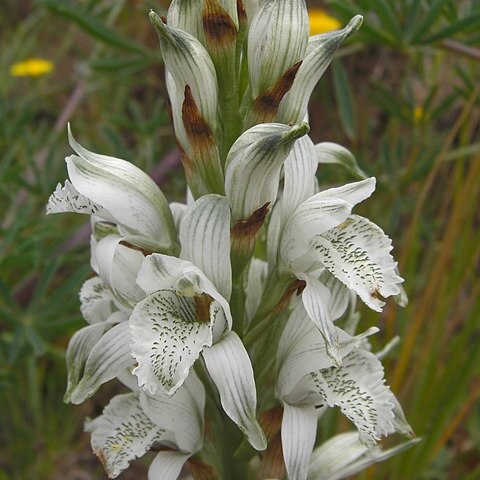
(403, 95)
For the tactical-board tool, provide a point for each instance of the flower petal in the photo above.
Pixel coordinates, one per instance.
(205, 240)
(78, 350)
(189, 64)
(316, 298)
(300, 167)
(358, 388)
(257, 275)
(95, 300)
(187, 16)
(299, 428)
(68, 199)
(168, 336)
(357, 252)
(229, 366)
(122, 433)
(110, 356)
(253, 171)
(343, 456)
(328, 152)
(167, 465)
(128, 193)
(118, 266)
(181, 414)
(302, 350)
(159, 272)
(277, 39)
(294, 105)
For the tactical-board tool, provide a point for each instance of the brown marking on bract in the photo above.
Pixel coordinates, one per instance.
(297, 286)
(197, 129)
(218, 26)
(272, 464)
(202, 308)
(186, 160)
(266, 105)
(271, 421)
(377, 295)
(250, 226)
(241, 12)
(202, 471)
(143, 251)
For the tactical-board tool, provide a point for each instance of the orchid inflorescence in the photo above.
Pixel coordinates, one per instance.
(258, 272)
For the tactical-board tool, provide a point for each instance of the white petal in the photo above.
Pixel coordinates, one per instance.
(67, 199)
(110, 356)
(252, 7)
(257, 274)
(339, 295)
(167, 465)
(334, 455)
(277, 39)
(299, 428)
(128, 193)
(181, 414)
(358, 388)
(316, 215)
(187, 16)
(118, 266)
(178, 211)
(159, 272)
(168, 336)
(328, 152)
(274, 231)
(189, 64)
(311, 218)
(205, 240)
(253, 171)
(352, 193)
(79, 348)
(343, 456)
(357, 252)
(176, 96)
(229, 366)
(294, 105)
(300, 167)
(122, 433)
(95, 300)
(302, 350)
(316, 298)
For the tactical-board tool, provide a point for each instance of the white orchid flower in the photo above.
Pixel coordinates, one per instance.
(186, 314)
(133, 423)
(310, 232)
(343, 456)
(116, 191)
(309, 381)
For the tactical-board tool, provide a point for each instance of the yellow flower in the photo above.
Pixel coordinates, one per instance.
(322, 22)
(32, 67)
(418, 114)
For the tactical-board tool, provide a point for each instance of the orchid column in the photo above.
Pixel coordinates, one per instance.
(231, 320)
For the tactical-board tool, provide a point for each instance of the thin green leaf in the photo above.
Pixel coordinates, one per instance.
(118, 64)
(468, 23)
(93, 26)
(388, 18)
(423, 27)
(345, 99)
(44, 281)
